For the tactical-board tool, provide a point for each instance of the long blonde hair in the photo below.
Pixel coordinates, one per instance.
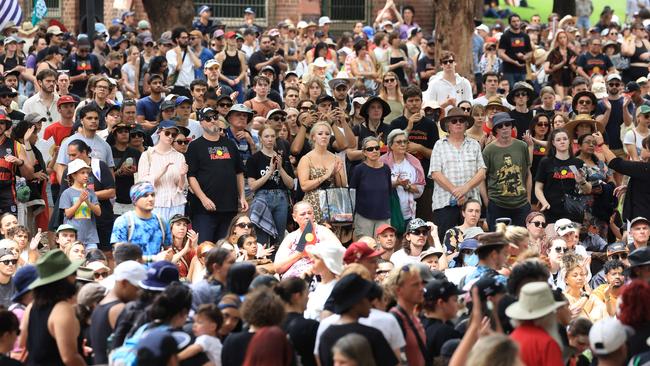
(383, 91)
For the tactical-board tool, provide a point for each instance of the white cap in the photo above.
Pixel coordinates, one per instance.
(385, 23)
(323, 20)
(131, 271)
(320, 62)
(76, 165)
(565, 226)
(331, 252)
(608, 335)
(96, 266)
(210, 63)
(613, 76)
(483, 27)
(301, 24)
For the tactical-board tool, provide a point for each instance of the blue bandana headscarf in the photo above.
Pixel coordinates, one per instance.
(139, 190)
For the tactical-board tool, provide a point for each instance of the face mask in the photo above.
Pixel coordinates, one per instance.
(471, 260)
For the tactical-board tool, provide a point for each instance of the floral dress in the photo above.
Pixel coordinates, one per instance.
(312, 196)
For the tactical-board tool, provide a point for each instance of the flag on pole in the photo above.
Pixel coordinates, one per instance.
(40, 10)
(10, 11)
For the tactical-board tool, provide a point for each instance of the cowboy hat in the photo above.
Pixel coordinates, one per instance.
(581, 94)
(369, 101)
(535, 301)
(580, 119)
(495, 102)
(453, 114)
(54, 266)
(521, 85)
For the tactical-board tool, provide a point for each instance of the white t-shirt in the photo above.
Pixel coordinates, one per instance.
(634, 138)
(211, 346)
(404, 170)
(380, 320)
(317, 300)
(400, 258)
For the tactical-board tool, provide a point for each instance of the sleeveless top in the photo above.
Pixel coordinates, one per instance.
(40, 343)
(400, 70)
(231, 65)
(638, 51)
(100, 330)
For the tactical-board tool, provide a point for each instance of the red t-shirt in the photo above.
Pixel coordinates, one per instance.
(59, 132)
(536, 347)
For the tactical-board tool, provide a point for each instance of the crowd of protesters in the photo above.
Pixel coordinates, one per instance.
(241, 195)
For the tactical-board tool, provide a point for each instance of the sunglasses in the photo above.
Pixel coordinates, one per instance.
(98, 275)
(544, 124)
(618, 256)
(614, 85)
(401, 142)
(504, 124)
(389, 80)
(170, 133)
(245, 225)
(521, 94)
(138, 135)
(211, 117)
(539, 223)
(584, 102)
(7, 262)
(456, 121)
(466, 109)
(278, 118)
(225, 105)
(467, 251)
(372, 148)
(419, 232)
(182, 142)
(447, 62)
(561, 249)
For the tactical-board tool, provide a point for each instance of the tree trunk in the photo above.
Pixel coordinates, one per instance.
(454, 31)
(564, 7)
(164, 15)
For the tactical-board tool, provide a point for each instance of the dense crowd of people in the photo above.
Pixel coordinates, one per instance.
(220, 195)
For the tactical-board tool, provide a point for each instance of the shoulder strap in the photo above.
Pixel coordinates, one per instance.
(423, 348)
(162, 229)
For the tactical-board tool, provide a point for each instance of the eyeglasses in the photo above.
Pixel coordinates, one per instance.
(278, 118)
(182, 142)
(245, 225)
(372, 148)
(170, 133)
(466, 109)
(419, 232)
(401, 142)
(457, 121)
(389, 80)
(98, 275)
(539, 223)
(618, 256)
(504, 124)
(8, 262)
(561, 249)
(447, 62)
(584, 102)
(521, 94)
(225, 105)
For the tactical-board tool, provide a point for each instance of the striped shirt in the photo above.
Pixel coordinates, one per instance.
(168, 192)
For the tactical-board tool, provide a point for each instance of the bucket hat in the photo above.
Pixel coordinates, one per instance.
(54, 266)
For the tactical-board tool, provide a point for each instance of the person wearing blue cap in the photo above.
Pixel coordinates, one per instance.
(183, 112)
(203, 23)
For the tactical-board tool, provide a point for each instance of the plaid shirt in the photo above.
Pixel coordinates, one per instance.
(457, 165)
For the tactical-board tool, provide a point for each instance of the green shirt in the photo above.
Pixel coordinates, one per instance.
(507, 171)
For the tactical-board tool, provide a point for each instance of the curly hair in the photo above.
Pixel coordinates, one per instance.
(634, 304)
(570, 261)
(263, 308)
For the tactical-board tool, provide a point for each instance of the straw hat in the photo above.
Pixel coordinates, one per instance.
(535, 301)
(497, 103)
(583, 119)
(456, 113)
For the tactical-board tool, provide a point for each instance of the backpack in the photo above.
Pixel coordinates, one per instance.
(127, 354)
(131, 226)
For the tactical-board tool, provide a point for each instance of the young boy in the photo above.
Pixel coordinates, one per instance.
(261, 103)
(207, 321)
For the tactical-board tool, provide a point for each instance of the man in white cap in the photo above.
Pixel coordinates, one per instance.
(537, 330)
(127, 276)
(614, 112)
(607, 339)
(324, 24)
(640, 232)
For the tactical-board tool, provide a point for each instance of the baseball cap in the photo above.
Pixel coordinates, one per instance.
(323, 20)
(359, 251)
(159, 275)
(440, 289)
(160, 345)
(127, 13)
(167, 124)
(616, 247)
(211, 63)
(249, 11)
(632, 86)
(143, 24)
(382, 228)
(230, 35)
(608, 335)
(218, 33)
(613, 76)
(131, 271)
(416, 224)
(565, 226)
(643, 109)
(182, 99)
(202, 9)
(65, 227)
(483, 28)
(639, 219)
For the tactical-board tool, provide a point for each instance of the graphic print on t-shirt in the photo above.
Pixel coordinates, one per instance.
(218, 153)
(509, 179)
(83, 212)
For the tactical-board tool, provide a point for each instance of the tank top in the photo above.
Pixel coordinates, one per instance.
(638, 51)
(40, 343)
(100, 330)
(400, 70)
(231, 65)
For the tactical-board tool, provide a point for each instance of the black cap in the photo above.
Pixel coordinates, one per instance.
(348, 291)
(325, 98)
(639, 257)
(632, 86)
(440, 289)
(489, 286)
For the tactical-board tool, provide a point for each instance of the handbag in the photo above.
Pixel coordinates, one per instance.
(396, 217)
(575, 207)
(337, 204)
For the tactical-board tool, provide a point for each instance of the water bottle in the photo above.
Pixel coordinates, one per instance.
(453, 202)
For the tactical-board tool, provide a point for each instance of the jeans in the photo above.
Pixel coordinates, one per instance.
(277, 201)
(583, 23)
(212, 226)
(514, 77)
(239, 87)
(517, 215)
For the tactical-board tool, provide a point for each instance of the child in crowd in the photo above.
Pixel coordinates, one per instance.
(207, 321)
(80, 204)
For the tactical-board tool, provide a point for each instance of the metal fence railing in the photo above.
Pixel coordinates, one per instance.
(232, 11)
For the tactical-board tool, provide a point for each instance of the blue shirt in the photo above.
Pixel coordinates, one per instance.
(83, 219)
(204, 56)
(148, 108)
(482, 271)
(145, 232)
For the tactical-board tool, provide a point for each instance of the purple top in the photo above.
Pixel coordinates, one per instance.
(404, 30)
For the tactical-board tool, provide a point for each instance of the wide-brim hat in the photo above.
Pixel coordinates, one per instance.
(241, 108)
(384, 105)
(454, 113)
(581, 94)
(639, 257)
(535, 301)
(348, 291)
(331, 253)
(521, 85)
(496, 102)
(54, 266)
(23, 277)
(490, 240)
(583, 119)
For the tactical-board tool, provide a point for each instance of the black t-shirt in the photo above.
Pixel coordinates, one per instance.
(558, 179)
(302, 333)
(16, 116)
(76, 66)
(215, 165)
(234, 348)
(257, 165)
(438, 332)
(259, 57)
(425, 64)
(11, 63)
(512, 44)
(115, 73)
(380, 348)
(591, 64)
(547, 113)
(522, 121)
(424, 132)
(123, 183)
